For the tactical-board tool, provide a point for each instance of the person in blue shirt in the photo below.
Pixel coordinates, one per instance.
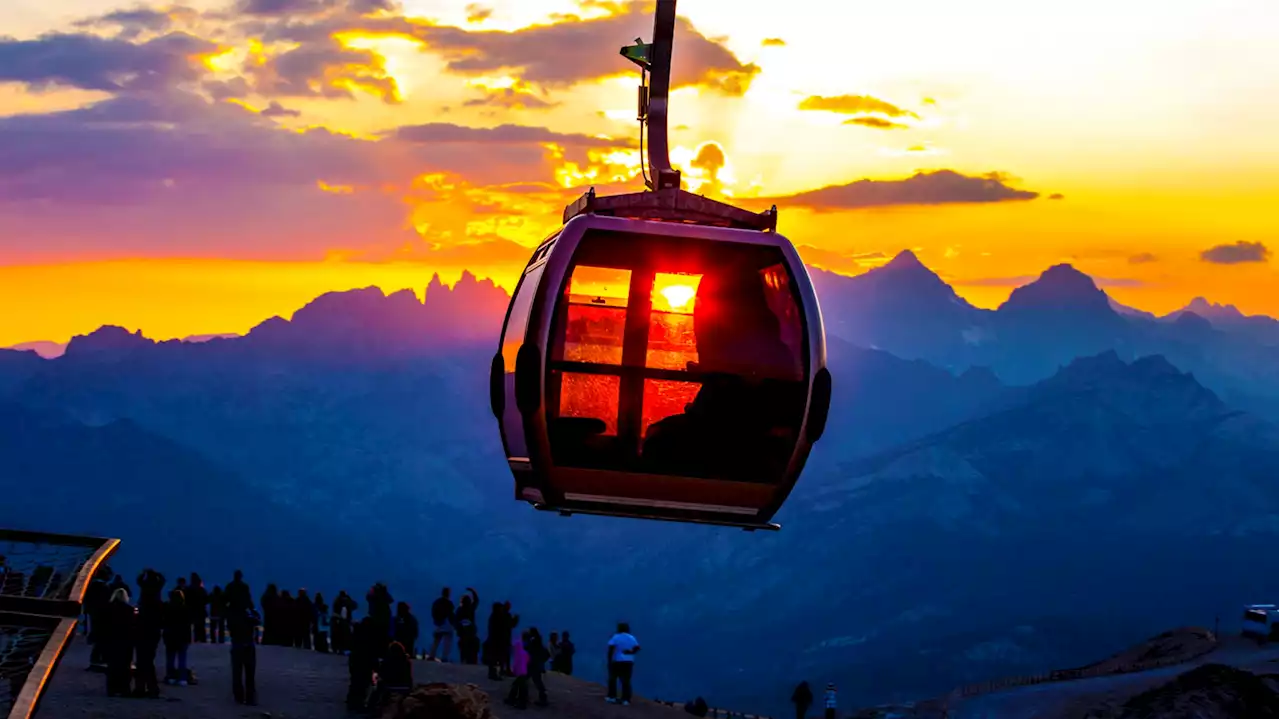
(622, 650)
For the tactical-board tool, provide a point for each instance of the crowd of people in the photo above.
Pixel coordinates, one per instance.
(380, 646)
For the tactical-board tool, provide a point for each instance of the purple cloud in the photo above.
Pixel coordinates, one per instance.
(924, 188)
(90, 62)
(1236, 253)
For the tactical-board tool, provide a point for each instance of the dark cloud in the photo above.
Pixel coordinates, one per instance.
(325, 69)
(119, 176)
(924, 188)
(1236, 253)
(878, 123)
(275, 109)
(773, 42)
(373, 7)
(576, 50)
(131, 23)
(294, 9)
(854, 105)
(1057, 196)
(91, 62)
(435, 132)
(1142, 258)
(286, 7)
(478, 13)
(510, 98)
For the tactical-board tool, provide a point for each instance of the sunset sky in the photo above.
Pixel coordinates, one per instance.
(197, 168)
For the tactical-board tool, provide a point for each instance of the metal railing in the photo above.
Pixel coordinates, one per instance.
(43, 579)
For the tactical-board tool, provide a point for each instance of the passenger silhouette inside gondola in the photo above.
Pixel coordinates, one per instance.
(740, 424)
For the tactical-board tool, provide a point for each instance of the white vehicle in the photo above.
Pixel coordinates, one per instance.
(1260, 620)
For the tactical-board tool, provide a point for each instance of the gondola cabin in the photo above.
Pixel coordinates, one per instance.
(661, 369)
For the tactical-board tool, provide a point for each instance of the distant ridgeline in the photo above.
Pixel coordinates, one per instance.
(1005, 491)
(43, 578)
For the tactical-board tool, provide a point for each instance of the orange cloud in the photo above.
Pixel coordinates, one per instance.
(510, 98)
(855, 105)
(878, 123)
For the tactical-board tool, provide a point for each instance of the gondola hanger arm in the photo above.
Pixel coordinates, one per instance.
(655, 59)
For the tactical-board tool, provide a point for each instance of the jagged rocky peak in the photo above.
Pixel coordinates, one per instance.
(1060, 287)
(468, 294)
(1149, 384)
(1211, 310)
(107, 338)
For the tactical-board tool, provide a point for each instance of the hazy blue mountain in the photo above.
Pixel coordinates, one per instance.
(1258, 328)
(173, 508)
(16, 366)
(880, 400)
(903, 308)
(1109, 501)
(949, 527)
(907, 310)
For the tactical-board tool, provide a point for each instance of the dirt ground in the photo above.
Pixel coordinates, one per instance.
(298, 684)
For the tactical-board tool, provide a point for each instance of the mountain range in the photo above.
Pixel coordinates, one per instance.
(998, 492)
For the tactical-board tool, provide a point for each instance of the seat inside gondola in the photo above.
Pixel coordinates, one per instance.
(678, 357)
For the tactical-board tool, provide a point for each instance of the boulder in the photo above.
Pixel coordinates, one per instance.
(440, 701)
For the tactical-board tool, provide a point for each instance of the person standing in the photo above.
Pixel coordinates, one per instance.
(177, 638)
(537, 664)
(468, 633)
(442, 618)
(197, 601)
(344, 608)
(244, 655)
(217, 616)
(802, 697)
(304, 620)
(829, 701)
(147, 633)
(518, 696)
(553, 648)
(566, 654)
(406, 630)
(115, 634)
(96, 599)
(238, 599)
(322, 624)
(621, 653)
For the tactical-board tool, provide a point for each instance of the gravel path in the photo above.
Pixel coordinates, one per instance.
(297, 684)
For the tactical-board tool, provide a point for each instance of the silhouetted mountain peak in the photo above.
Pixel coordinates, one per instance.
(906, 276)
(906, 260)
(1211, 310)
(107, 339)
(1061, 287)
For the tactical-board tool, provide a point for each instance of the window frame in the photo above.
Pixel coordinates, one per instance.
(633, 370)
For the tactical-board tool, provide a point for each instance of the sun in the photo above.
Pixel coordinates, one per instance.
(678, 296)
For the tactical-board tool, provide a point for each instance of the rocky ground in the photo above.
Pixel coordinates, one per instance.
(297, 684)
